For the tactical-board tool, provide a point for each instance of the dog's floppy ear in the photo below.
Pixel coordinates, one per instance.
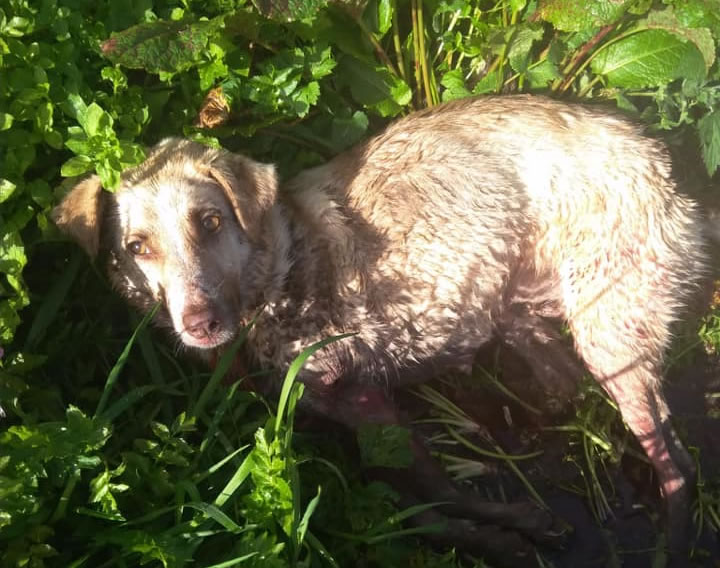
(250, 186)
(79, 214)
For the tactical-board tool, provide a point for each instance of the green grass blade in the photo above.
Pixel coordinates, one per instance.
(221, 369)
(234, 561)
(305, 521)
(115, 371)
(212, 512)
(235, 481)
(318, 546)
(213, 468)
(126, 401)
(293, 371)
(425, 529)
(217, 416)
(52, 302)
(397, 518)
(333, 468)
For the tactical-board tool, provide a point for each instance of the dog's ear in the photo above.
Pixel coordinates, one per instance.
(250, 186)
(79, 214)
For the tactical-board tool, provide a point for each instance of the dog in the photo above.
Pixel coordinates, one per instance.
(479, 218)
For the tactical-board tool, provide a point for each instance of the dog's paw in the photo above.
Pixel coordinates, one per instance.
(539, 524)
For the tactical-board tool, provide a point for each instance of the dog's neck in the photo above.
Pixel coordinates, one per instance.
(310, 243)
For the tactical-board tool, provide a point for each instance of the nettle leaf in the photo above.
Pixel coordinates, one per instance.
(579, 15)
(542, 74)
(12, 254)
(521, 45)
(698, 14)
(709, 129)
(305, 97)
(649, 58)
(702, 37)
(289, 10)
(454, 83)
(161, 46)
(271, 497)
(320, 61)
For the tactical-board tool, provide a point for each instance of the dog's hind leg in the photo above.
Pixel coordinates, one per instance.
(620, 307)
(551, 358)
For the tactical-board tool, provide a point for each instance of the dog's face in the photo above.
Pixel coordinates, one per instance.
(185, 229)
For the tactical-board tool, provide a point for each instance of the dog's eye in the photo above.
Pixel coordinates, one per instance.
(138, 248)
(211, 223)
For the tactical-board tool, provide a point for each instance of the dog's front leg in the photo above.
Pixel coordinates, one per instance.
(505, 532)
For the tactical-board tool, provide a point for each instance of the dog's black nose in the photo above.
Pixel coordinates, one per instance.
(201, 323)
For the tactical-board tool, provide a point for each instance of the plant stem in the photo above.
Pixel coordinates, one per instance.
(397, 43)
(421, 55)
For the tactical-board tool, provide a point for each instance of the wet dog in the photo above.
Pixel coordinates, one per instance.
(481, 218)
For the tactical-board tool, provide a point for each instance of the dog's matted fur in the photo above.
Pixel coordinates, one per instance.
(478, 218)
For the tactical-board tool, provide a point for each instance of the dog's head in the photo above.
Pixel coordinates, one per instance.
(185, 229)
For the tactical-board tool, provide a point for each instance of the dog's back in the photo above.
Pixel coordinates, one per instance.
(453, 215)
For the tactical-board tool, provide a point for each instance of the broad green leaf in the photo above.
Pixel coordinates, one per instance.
(702, 37)
(320, 61)
(348, 131)
(374, 86)
(385, 15)
(542, 75)
(698, 14)
(40, 192)
(161, 46)
(521, 45)
(289, 10)
(109, 174)
(12, 256)
(53, 139)
(709, 129)
(75, 107)
(44, 116)
(75, 166)
(7, 188)
(454, 84)
(579, 15)
(649, 58)
(78, 142)
(306, 97)
(92, 119)
(6, 120)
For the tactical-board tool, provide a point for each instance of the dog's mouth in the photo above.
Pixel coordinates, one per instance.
(206, 342)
